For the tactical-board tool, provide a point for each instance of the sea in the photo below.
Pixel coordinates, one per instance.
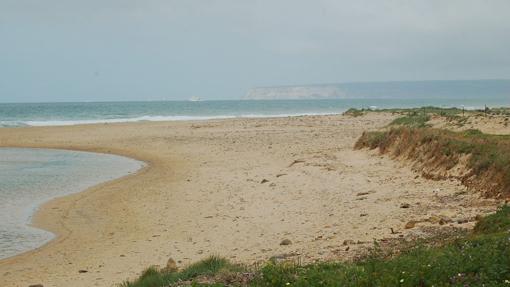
(53, 114)
(30, 177)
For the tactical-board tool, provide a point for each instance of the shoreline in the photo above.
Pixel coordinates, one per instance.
(141, 119)
(197, 165)
(37, 205)
(196, 118)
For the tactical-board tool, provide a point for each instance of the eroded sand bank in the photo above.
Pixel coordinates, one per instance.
(235, 188)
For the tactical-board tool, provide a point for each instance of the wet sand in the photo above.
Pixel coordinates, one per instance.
(234, 188)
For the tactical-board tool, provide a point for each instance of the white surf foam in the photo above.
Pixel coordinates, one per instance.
(147, 118)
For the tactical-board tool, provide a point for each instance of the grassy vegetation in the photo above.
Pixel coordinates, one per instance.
(413, 119)
(210, 267)
(418, 117)
(495, 223)
(354, 112)
(473, 261)
(499, 111)
(479, 259)
(488, 167)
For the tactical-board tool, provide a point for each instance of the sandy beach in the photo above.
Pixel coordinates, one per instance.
(234, 188)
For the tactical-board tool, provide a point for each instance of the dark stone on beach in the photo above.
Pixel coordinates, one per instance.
(286, 242)
(405, 205)
(348, 242)
(36, 285)
(83, 271)
(444, 220)
(264, 181)
(410, 224)
(171, 266)
(462, 221)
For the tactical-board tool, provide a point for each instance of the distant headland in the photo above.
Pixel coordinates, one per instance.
(398, 89)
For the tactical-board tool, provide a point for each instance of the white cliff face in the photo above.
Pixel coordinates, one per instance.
(474, 89)
(295, 93)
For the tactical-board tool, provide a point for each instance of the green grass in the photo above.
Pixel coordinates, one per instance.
(481, 258)
(473, 261)
(354, 112)
(211, 266)
(497, 222)
(418, 117)
(413, 119)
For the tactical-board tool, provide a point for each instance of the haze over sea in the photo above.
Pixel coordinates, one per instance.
(270, 102)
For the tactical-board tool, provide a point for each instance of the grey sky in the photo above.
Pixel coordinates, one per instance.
(70, 50)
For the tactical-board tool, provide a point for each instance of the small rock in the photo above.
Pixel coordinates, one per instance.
(286, 242)
(444, 220)
(83, 271)
(171, 266)
(410, 224)
(434, 219)
(348, 242)
(36, 285)
(405, 205)
(264, 181)
(462, 221)
(363, 214)
(362, 193)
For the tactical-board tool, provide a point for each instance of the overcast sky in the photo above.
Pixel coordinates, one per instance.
(71, 50)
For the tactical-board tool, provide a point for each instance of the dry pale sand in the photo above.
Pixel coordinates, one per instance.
(235, 188)
(492, 124)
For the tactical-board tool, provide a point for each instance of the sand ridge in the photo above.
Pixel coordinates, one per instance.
(235, 188)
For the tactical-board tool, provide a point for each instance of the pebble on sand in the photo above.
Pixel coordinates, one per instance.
(410, 224)
(171, 266)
